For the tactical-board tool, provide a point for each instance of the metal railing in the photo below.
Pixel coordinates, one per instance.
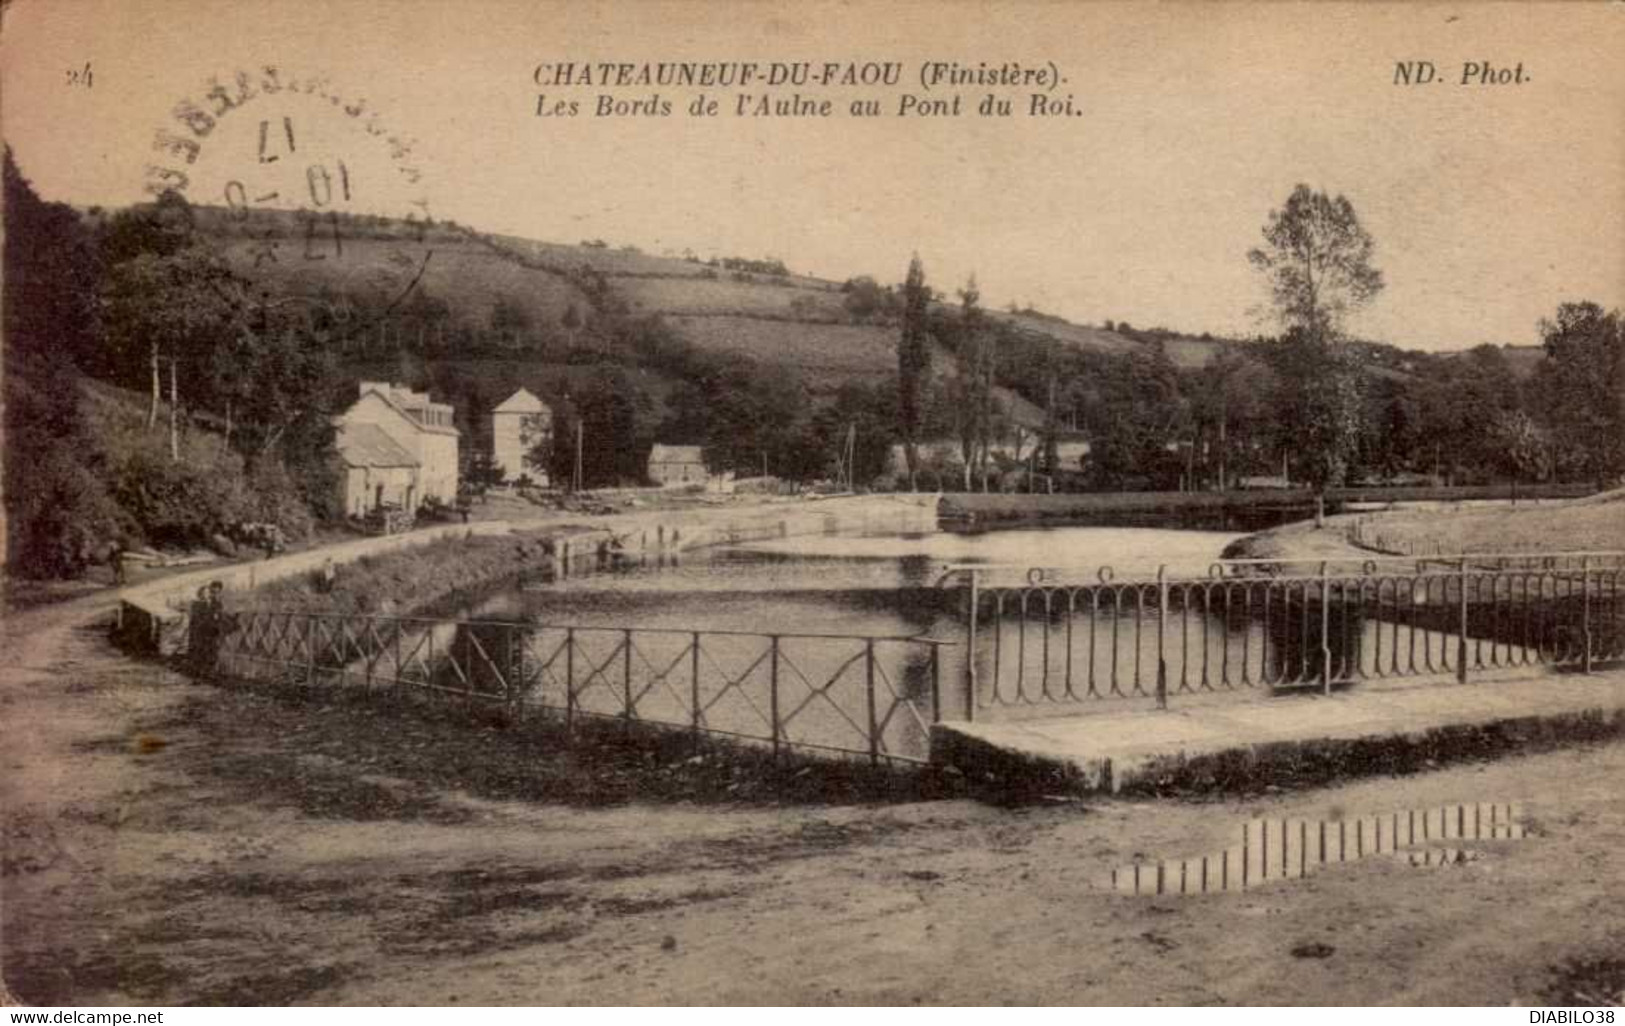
(856, 695)
(1053, 636)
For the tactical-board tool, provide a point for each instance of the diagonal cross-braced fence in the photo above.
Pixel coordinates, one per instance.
(1053, 636)
(856, 695)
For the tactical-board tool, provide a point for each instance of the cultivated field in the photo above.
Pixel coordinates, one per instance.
(469, 276)
(1081, 336)
(724, 295)
(830, 353)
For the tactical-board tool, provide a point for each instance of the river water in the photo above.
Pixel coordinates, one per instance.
(871, 585)
(889, 585)
(786, 625)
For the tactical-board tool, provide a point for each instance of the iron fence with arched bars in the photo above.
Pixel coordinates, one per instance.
(1037, 636)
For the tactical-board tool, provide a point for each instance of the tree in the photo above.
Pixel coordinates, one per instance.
(1229, 413)
(759, 418)
(168, 300)
(510, 322)
(1581, 381)
(611, 420)
(52, 265)
(1321, 414)
(56, 504)
(866, 299)
(969, 391)
(1317, 259)
(980, 346)
(1463, 398)
(1136, 412)
(1523, 448)
(852, 436)
(913, 365)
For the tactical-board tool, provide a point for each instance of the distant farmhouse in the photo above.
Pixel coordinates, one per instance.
(396, 448)
(673, 466)
(519, 424)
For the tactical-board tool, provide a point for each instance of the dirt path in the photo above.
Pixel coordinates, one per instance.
(174, 843)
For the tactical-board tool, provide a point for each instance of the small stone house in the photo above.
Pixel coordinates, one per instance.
(673, 466)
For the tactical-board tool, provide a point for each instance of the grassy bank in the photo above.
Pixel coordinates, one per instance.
(990, 509)
(410, 580)
(600, 762)
(1590, 524)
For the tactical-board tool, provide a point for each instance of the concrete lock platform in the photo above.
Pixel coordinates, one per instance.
(1248, 743)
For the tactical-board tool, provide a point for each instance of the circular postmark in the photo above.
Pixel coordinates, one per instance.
(310, 193)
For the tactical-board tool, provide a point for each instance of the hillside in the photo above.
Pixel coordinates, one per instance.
(790, 321)
(503, 311)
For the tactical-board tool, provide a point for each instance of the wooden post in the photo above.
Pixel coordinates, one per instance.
(1325, 629)
(1162, 629)
(773, 693)
(369, 654)
(694, 684)
(970, 648)
(569, 679)
(1585, 611)
(626, 673)
(509, 692)
(936, 685)
(869, 675)
(1461, 641)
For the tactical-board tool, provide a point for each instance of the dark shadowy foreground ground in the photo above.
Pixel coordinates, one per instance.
(167, 842)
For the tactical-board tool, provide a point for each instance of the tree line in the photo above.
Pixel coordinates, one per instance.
(1310, 403)
(146, 300)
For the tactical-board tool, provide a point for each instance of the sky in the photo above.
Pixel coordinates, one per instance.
(1490, 204)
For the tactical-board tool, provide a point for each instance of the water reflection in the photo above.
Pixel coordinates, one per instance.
(873, 585)
(1272, 850)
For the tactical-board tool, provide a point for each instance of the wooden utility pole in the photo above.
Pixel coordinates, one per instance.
(852, 458)
(576, 483)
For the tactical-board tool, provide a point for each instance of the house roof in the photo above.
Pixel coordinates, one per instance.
(367, 445)
(675, 454)
(383, 392)
(522, 401)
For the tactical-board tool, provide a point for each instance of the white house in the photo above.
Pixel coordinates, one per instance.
(518, 424)
(395, 447)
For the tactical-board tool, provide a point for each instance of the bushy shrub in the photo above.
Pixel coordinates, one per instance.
(278, 499)
(58, 513)
(181, 502)
(61, 518)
